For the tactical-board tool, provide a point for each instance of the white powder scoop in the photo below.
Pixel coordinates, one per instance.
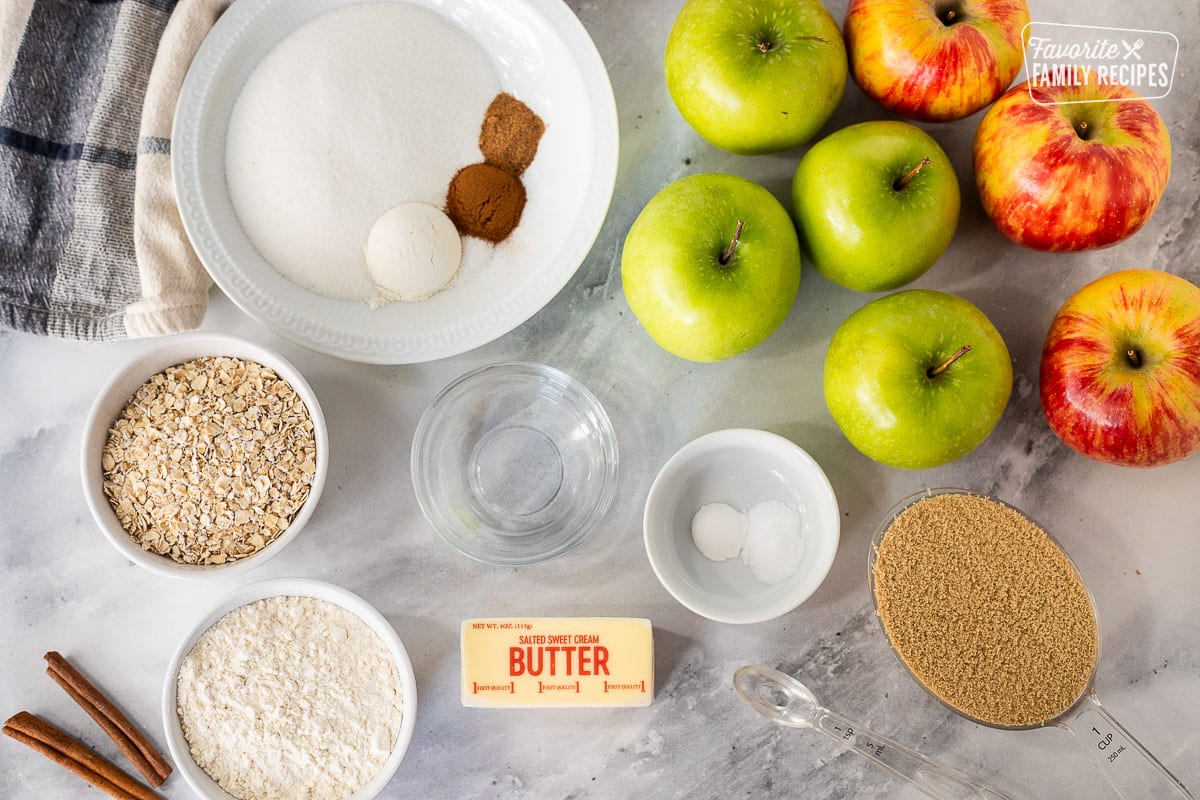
(774, 541)
(719, 531)
(412, 251)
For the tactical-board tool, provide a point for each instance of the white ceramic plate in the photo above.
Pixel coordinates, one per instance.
(197, 778)
(541, 53)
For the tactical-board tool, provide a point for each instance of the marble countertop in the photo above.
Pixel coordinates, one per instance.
(1134, 534)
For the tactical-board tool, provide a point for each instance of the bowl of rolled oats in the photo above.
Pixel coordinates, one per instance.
(205, 455)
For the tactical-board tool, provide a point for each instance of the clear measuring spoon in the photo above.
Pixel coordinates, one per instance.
(1132, 771)
(786, 701)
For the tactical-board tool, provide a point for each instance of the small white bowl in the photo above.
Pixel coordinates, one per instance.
(181, 754)
(740, 467)
(111, 401)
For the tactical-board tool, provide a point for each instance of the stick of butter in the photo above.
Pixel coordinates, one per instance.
(557, 661)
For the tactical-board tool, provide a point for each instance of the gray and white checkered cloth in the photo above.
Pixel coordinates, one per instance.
(91, 245)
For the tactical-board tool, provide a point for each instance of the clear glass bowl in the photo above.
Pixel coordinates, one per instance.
(514, 463)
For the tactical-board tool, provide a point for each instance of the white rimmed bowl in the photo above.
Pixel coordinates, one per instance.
(740, 467)
(111, 401)
(542, 54)
(197, 778)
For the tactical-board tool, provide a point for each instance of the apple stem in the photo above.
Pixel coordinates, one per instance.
(900, 184)
(1081, 130)
(948, 12)
(764, 47)
(727, 253)
(933, 372)
(1135, 358)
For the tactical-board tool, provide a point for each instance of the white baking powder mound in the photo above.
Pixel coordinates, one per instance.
(359, 110)
(719, 531)
(774, 541)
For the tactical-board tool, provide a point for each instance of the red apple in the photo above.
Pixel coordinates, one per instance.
(1120, 375)
(1071, 168)
(935, 60)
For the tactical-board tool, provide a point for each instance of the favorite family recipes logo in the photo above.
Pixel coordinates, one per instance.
(1057, 54)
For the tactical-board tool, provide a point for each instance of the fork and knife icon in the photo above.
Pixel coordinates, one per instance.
(1132, 49)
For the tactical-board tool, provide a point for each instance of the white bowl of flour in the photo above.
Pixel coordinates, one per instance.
(294, 132)
(290, 688)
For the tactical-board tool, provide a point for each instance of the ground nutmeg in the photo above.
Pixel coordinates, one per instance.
(485, 200)
(510, 134)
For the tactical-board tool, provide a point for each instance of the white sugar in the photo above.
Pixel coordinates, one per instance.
(359, 110)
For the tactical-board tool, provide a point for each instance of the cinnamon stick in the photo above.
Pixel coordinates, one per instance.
(132, 742)
(70, 754)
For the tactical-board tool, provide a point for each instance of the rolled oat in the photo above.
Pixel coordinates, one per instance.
(210, 460)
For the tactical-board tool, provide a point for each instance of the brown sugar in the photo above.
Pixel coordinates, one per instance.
(985, 609)
(510, 134)
(485, 201)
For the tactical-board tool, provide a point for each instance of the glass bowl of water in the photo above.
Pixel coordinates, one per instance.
(514, 463)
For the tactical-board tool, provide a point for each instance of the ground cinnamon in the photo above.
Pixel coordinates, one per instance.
(510, 134)
(485, 201)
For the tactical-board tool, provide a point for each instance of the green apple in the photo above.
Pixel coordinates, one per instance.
(876, 204)
(711, 266)
(755, 76)
(917, 379)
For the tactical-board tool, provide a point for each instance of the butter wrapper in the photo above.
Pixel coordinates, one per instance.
(535, 662)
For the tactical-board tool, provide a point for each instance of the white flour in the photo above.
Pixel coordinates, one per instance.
(290, 697)
(361, 109)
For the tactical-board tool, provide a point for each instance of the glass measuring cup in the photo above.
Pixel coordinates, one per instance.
(1128, 766)
(786, 701)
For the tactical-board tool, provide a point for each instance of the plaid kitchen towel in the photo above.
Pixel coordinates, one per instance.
(91, 244)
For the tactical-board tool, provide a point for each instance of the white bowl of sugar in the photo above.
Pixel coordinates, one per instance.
(411, 118)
